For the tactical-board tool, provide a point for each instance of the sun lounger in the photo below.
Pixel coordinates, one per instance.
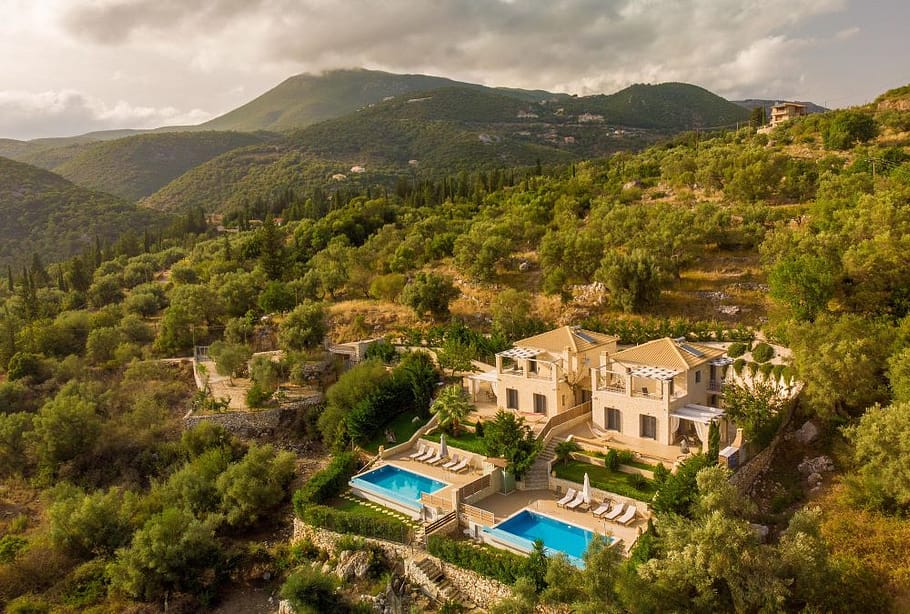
(426, 455)
(435, 460)
(576, 502)
(601, 509)
(455, 460)
(418, 453)
(615, 512)
(570, 494)
(463, 465)
(628, 516)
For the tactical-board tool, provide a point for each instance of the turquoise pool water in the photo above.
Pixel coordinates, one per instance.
(522, 529)
(400, 485)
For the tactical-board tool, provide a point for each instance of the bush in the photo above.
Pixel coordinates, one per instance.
(10, 546)
(738, 365)
(762, 352)
(499, 565)
(325, 517)
(310, 590)
(625, 457)
(660, 474)
(612, 460)
(327, 483)
(753, 368)
(679, 491)
(478, 430)
(736, 349)
(637, 481)
(765, 369)
(776, 372)
(256, 396)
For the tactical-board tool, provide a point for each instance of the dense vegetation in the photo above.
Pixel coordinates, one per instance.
(42, 213)
(138, 166)
(90, 442)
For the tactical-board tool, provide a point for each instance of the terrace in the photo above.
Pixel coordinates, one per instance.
(544, 501)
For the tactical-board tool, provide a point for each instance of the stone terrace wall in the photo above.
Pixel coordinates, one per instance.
(260, 423)
(747, 475)
(483, 591)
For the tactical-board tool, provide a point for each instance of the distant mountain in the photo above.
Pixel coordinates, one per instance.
(443, 131)
(751, 103)
(306, 99)
(43, 213)
(136, 166)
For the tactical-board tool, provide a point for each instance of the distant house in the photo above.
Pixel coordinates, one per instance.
(783, 111)
(550, 373)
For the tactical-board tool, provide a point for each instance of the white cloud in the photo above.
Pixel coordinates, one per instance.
(56, 113)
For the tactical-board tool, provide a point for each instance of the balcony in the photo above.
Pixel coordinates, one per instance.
(716, 385)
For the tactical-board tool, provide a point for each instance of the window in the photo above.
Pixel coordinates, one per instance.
(511, 398)
(648, 427)
(614, 419)
(540, 404)
(698, 376)
(532, 366)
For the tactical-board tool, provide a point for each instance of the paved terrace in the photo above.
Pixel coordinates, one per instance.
(586, 433)
(544, 501)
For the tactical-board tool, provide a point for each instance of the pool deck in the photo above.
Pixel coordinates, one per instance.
(544, 501)
(432, 471)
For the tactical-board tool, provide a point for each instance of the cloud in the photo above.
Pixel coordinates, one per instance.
(582, 46)
(27, 115)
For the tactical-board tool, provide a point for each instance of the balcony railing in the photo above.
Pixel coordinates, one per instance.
(715, 385)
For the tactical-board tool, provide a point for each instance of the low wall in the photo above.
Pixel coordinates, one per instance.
(747, 475)
(261, 423)
(483, 591)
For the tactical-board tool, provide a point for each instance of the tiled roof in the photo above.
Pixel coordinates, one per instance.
(557, 340)
(669, 354)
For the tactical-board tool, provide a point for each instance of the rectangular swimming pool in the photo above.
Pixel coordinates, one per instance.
(521, 530)
(400, 485)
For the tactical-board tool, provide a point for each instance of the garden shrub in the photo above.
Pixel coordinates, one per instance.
(753, 368)
(776, 372)
(762, 352)
(612, 460)
(660, 473)
(637, 481)
(327, 483)
(625, 457)
(325, 517)
(736, 349)
(738, 365)
(765, 369)
(499, 565)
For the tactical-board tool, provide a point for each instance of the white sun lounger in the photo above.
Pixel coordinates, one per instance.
(418, 453)
(570, 494)
(426, 455)
(463, 465)
(628, 516)
(576, 502)
(613, 513)
(436, 459)
(601, 509)
(455, 460)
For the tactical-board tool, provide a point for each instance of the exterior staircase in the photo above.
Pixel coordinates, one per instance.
(431, 577)
(537, 477)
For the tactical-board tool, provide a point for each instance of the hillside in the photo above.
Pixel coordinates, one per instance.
(136, 166)
(41, 212)
(306, 99)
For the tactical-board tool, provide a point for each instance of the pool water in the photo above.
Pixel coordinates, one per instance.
(401, 485)
(525, 527)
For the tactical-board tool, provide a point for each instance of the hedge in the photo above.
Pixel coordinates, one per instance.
(326, 483)
(325, 517)
(499, 565)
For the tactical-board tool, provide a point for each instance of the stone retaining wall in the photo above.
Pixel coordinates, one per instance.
(260, 423)
(483, 591)
(747, 475)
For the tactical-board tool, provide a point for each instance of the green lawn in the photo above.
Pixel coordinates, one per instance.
(403, 427)
(361, 509)
(466, 440)
(601, 477)
(630, 463)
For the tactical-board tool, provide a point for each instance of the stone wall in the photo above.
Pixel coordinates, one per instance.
(483, 591)
(747, 475)
(260, 423)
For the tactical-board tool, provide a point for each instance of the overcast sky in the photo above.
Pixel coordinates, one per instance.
(72, 66)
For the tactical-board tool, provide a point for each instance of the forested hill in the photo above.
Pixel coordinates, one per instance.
(136, 166)
(43, 213)
(307, 99)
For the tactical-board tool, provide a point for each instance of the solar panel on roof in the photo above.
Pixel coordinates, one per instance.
(688, 348)
(584, 336)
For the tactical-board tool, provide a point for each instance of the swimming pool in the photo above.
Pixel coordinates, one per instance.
(521, 530)
(400, 485)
